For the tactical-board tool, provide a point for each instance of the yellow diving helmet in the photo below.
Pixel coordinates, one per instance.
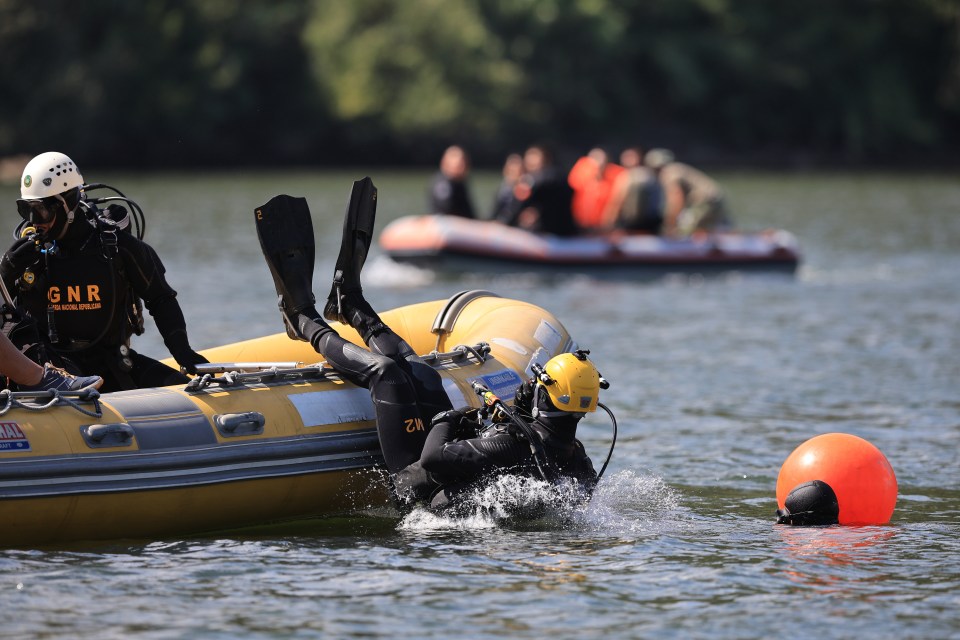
(571, 382)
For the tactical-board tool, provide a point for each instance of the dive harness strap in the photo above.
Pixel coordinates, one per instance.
(537, 452)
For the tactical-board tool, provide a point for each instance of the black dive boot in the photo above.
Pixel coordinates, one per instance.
(357, 235)
(285, 230)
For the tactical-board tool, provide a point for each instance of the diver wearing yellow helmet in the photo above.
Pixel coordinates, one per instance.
(537, 438)
(571, 382)
(426, 459)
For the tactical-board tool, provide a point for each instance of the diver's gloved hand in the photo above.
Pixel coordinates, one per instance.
(449, 496)
(22, 255)
(463, 421)
(414, 484)
(188, 359)
(523, 400)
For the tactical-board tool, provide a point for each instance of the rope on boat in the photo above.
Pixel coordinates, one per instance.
(273, 374)
(20, 400)
(318, 371)
(479, 352)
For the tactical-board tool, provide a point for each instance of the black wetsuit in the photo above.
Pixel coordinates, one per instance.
(504, 202)
(91, 297)
(551, 196)
(450, 197)
(406, 391)
(455, 458)
(421, 452)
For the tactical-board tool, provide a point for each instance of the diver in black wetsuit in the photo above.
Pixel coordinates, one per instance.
(461, 451)
(80, 277)
(407, 392)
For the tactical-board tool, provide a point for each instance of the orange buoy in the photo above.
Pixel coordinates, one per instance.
(859, 474)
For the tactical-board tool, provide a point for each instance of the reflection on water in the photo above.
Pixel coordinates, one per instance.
(834, 545)
(713, 381)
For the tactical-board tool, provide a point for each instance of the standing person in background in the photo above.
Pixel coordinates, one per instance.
(637, 199)
(448, 191)
(505, 199)
(695, 202)
(80, 278)
(592, 179)
(543, 197)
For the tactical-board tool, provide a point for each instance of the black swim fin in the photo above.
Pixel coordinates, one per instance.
(357, 236)
(285, 231)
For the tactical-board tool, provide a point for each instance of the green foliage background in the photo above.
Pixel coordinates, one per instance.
(323, 82)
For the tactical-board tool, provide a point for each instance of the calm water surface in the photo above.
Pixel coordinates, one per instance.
(714, 383)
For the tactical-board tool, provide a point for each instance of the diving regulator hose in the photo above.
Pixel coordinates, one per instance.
(491, 401)
(613, 441)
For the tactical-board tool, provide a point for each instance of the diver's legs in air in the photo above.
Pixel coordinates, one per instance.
(400, 427)
(351, 308)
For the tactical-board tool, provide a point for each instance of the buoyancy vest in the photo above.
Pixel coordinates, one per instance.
(83, 296)
(83, 293)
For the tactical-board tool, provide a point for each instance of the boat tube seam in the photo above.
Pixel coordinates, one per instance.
(215, 474)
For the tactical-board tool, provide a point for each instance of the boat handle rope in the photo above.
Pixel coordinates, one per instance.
(233, 378)
(479, 351)
(15, 399)
(236, 379)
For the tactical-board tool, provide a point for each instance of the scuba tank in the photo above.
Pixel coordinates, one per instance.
(110, 220)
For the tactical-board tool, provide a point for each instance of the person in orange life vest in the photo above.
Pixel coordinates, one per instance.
(80, 279)
(592, 179)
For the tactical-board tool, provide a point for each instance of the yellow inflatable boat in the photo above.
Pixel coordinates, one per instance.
(258, 439)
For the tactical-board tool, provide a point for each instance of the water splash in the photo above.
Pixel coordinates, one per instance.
(630, 502)
(624, 502)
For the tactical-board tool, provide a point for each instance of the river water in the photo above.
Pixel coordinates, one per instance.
(714, 383)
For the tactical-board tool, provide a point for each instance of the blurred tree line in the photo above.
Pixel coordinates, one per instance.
(325, 82)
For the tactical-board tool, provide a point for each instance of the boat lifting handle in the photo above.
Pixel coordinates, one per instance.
(114, 434)
(239, 424)
(444, 322)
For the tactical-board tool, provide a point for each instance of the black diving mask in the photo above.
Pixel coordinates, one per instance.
(43, 211)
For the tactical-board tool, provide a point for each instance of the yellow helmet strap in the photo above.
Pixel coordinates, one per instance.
(542, 396)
